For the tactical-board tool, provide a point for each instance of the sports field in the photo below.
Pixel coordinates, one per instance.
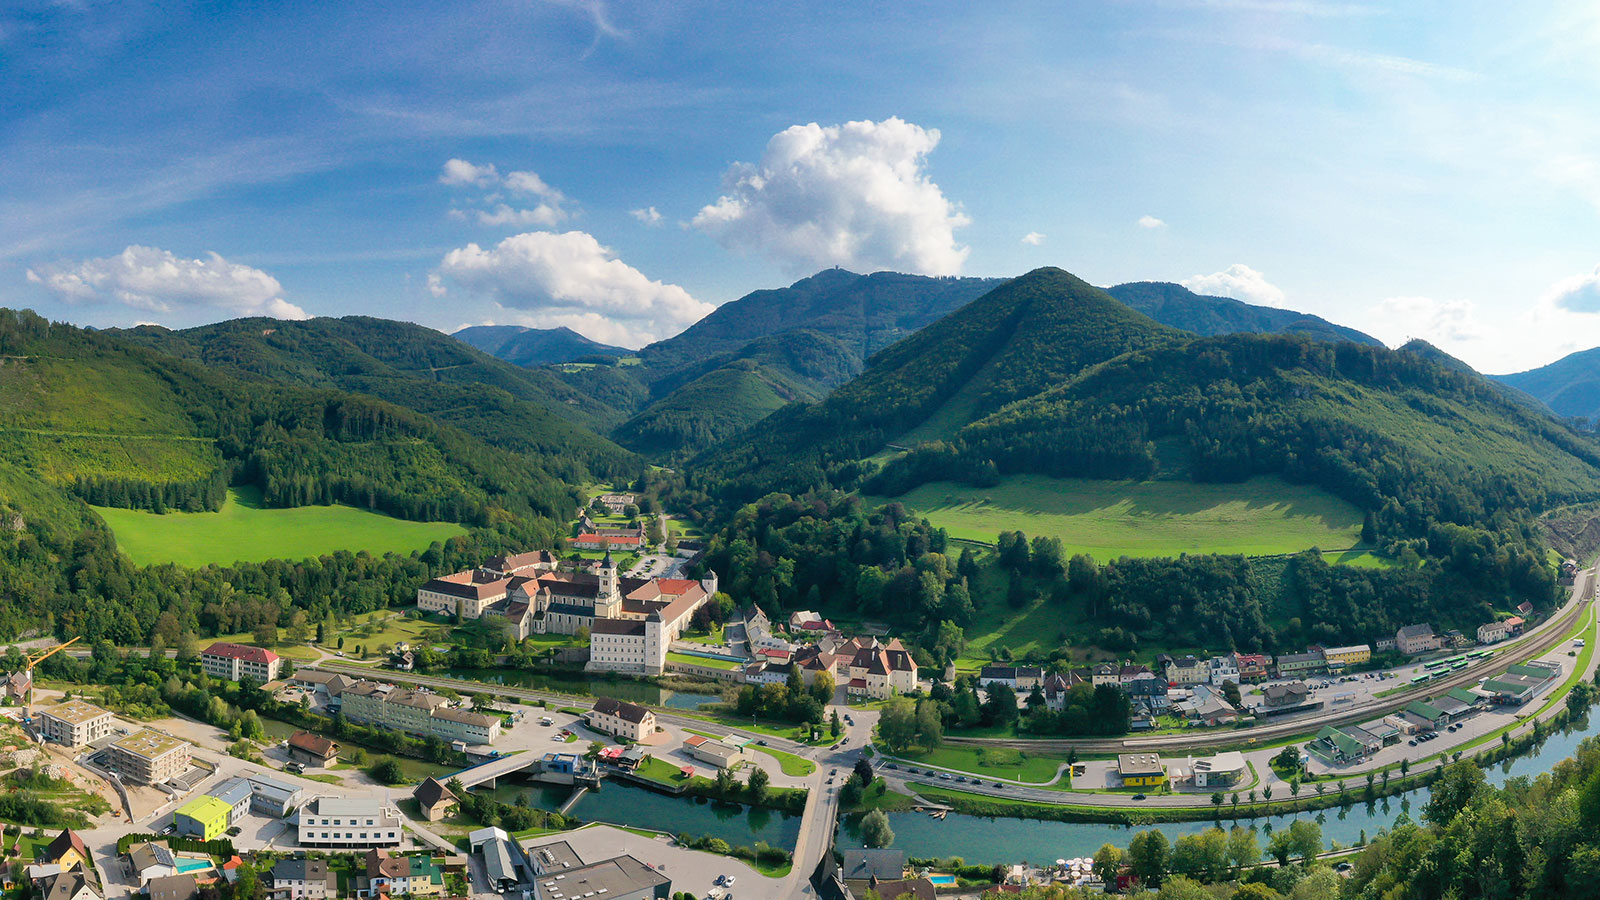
(1108, 519)
(244, 531)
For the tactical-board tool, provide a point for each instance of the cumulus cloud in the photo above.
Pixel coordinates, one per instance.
(1578, 294)
(562, 278)
(1151, 222)
(460, 173)
(156, 280)
(856, 195)
(649, 215)
(1238, 281)
(1444, 323)
(496, 213)
(1033, 239)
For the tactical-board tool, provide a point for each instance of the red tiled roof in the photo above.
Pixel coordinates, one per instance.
(694, 740)
(240, 651)
(313, 743)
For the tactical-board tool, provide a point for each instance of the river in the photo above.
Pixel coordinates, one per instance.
(981, 840)
(627, 804)
(577, 683)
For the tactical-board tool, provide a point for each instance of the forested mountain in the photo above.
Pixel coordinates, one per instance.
(799, 365)
(526, 410)
(1051, 376)
(1570, 386)
(98, 416)
(523, 346)
(1018, 339)
(1176, 305)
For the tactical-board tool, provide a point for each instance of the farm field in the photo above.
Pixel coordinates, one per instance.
(244, 531)
(1108, 519)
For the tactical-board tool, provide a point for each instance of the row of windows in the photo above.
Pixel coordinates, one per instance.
(334, 836)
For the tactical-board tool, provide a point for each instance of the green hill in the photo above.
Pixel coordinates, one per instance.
(1570, 386)
(1020, 338)
(523, 346)
(1176, 305)
(524, 410)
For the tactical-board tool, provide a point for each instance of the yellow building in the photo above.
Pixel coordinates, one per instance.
(1141, 770)
(202, 818)
(1355, 655)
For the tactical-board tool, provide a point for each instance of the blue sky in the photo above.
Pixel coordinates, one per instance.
(1426, 169)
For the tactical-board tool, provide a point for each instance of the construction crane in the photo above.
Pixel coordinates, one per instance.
(31, 660)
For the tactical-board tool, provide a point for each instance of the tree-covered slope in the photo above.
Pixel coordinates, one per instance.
(101, 417)
(800, 365)
(524, 346)
(1022, 337)
(1570, 386)
(1176, 305)
(524, 410)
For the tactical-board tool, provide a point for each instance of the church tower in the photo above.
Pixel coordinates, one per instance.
(608, 598)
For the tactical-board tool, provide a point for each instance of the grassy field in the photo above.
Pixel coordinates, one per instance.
(1108, 519)
(685, 659)
(243, 530)
(1014, 765)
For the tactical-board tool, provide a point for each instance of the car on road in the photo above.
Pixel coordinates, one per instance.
(1138, 796)
(761, 743)
(891, 766)
(833, 771)
(945, 775)
(999, 785)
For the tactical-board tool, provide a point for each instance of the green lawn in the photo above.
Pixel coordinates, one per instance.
(1108, 519)
(1015, 765)
(684, 659)
(243, 530)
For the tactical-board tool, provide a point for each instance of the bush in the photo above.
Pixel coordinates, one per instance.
(387, 771)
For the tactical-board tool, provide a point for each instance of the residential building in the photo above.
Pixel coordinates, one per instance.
(155, 860)
(74, 723)
(1057, 687)
(1299, 665)
(203, 818)
(1223, 669)
(1018, 678)
(864, 867)
(809, 620)
(1342, 657)
(1220, 771)
(303, 879)
(149, 757)
(418, 713)
(1414, 639)
(624, 720)
(1525, 608)
(66, 850)
(388, 875)
(1141, 769)
(1492, 632)
(232, 662)
(1383, 645)
(814, 661)
(1515, 624)
(349, 824)
(1147, 688)
(75, 884)
(1292, 693)
(272, 798)
(237, 794)
(435, 800)
(920, 888)
(1187, 670)
(1105, 673)
(881, 671)
(18, 684)
(723, 754)
(1206, 706)
(1254, 668)
(310, 749)
(316, 681)
(173, 887)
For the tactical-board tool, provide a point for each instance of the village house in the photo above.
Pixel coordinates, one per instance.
(624, 720)
(1414, 639)
(1493, 632)
(1187, 670)
(303, 879)
(312, 750)
(1019, 678)
(1223, 669)
(435, 800)
(1105, 673)
(1299, 665)
(1254, 668)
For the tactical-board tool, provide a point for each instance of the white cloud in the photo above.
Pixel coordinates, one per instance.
(1151, 222)
(544, 215)
(1578, 294)
(548, 213)
(152, 279)
(1444, 323)
(459, 172)
(649, 215)
(1033, 239)
(1238, 281)
(855, 195)
(570, 277)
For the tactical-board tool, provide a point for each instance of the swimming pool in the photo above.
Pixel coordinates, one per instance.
(942, 880)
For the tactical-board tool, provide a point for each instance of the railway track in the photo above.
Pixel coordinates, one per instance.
(1540, 641)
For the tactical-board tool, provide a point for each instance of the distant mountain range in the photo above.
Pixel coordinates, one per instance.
(1570, 386)
(535, 346)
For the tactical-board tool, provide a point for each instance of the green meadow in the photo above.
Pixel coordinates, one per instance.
(245, 531)
(1264, 516)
